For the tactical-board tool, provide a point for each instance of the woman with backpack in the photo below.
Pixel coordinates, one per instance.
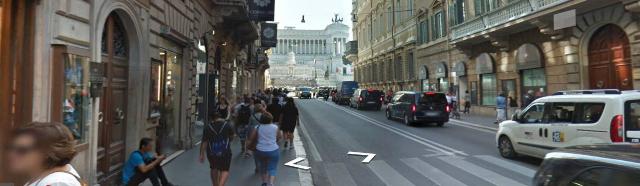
(216, 145)
(289, 121)
(264, 140)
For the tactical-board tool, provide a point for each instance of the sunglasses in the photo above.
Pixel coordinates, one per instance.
(20, 150)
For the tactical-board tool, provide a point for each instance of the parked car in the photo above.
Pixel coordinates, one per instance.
(571, 118)
(592, 165)
(305, 93)
(345, 91)
(367, 99)
(419, 107)
(323, 93)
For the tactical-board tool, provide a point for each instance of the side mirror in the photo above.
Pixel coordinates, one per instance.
(514, 117)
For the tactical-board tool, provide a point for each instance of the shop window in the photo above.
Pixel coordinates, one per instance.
(75, 104)
(474, 92)
(534, 80)
(156, 90)
(443, 85)
(509, 89)
(488, 85)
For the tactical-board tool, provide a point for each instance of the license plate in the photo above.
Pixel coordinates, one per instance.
(371, 102)
(431, 114)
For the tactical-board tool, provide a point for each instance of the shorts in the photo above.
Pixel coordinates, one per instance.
(242, 131)
(221, 163)
(268, 161)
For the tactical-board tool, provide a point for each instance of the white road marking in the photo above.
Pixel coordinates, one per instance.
(473, 126)
(293, 164)
(432, 173)
(312, 146)
(388, 175)
(508, 165)
(480, 172)
(339, 175)
(432, 144)
(366, 159)
(304, 175)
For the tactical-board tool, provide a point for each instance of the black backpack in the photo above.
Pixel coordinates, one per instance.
(244, 114)
(219, 144)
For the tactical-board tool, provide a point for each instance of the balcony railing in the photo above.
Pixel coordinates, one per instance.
(504, 14)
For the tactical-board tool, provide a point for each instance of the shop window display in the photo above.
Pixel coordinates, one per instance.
(488, 85)
(75, 108)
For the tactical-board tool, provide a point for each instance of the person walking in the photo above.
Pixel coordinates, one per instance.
(513, 105)
(222, 108)
(216, 146)
(288, 121)
(501, 106)
(143, 164)
(528, 99)
(42, 152)
(242, 113)
(266, 136)
(275, 109)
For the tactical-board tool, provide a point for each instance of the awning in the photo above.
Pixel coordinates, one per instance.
(441, 70)
(424, 72)
(484, 64)
(459, 69)
(528, 56)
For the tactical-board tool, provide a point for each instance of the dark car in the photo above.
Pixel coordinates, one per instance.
(344, 92)
(418, 107)
(367, 99)
(305, 93)
(610, 165)
(324, 93)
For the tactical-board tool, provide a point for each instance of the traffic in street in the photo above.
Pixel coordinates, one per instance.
(458, 153)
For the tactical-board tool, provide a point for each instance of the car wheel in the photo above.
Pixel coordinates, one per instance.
(406, 120)
(388, 114)
(440, 124)
(506, 148)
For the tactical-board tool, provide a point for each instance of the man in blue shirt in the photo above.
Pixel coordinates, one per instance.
(143, 165)
(501, 108)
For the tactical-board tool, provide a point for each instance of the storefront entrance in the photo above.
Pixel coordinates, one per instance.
(610, 59)
(113, 106)
(169, 91)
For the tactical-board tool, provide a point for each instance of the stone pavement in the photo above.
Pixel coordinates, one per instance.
(185, 170)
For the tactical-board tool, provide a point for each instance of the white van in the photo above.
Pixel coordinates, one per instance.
(569, 118)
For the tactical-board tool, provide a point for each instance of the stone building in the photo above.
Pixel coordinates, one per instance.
(115, 71)
(315, 50)
(490, 46)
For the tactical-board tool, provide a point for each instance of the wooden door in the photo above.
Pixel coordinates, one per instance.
(610, 59)
(111, 139)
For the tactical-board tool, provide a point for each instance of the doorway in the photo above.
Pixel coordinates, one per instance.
(610, 59)
(113, 107)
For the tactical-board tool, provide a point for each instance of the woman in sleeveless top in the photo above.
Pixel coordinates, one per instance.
(289, 121)
(223, 108)
(42, 152)
(267, 135)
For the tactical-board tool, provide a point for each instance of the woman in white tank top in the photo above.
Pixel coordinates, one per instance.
(268, 153)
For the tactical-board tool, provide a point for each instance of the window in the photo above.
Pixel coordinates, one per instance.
(474, 92)
(398, 68)
(632, 115)
(389, 19)
(411, 67)
(605, 176)
(409, 8)
(488, 86)
(534, 114)
(398, 12)
(437, 21)
(75, 105)
(443, 85)
(456, 12)
(534, 80)
(423, 32)
(484, 6)
(589, 112)
(561, 113)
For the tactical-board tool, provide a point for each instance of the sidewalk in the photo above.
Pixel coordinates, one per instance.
(476, 119)
(185, 170)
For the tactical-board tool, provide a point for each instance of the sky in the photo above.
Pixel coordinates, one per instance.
(317, 13)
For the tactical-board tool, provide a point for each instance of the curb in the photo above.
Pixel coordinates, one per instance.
(304, 175)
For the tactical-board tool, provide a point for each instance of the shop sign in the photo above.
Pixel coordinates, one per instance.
(484, 64)
(261, 10)
(441, 70)
(268, 34)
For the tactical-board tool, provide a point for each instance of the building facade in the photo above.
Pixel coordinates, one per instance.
(115, 71)
(480, 48)
(310, 57)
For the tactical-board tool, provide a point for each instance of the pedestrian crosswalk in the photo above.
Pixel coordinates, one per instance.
(446, 170)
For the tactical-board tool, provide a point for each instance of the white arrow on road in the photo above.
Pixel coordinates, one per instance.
(367, 159)
(293, 164)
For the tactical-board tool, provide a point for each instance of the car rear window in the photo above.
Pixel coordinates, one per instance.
(429, 98)
(632, 115)
(374, 93)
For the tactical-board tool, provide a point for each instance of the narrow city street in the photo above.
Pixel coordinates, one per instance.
(456, 154)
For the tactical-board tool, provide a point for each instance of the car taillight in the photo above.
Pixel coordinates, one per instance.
(616, 132)
(413, 108)
(380, 99)
(448, 108)
(360, 98)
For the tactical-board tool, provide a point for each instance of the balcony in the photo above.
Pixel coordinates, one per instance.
(500, 16)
